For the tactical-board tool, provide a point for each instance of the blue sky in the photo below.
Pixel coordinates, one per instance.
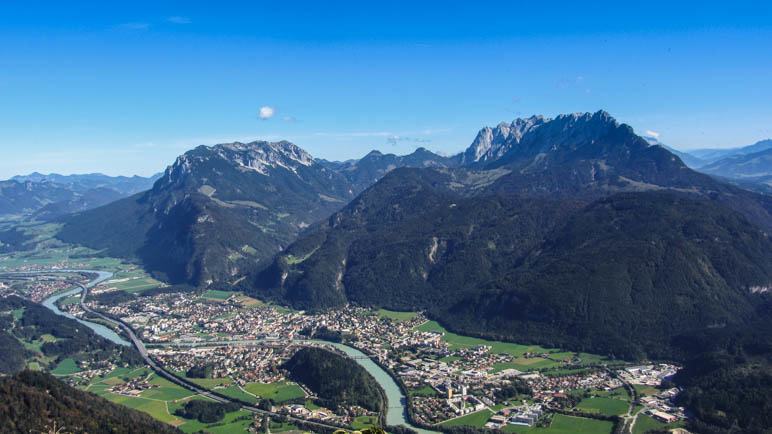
(123, 89)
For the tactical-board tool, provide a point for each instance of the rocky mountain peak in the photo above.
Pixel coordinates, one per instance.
(263, 156)
(260, 156)
(492, 143)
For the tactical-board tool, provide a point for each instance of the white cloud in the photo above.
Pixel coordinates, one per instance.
(266, 112)
(652, 134)
(176, 19)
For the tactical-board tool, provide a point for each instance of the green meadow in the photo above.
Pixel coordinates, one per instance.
(476, 419)
(279, 392)
(562, 424)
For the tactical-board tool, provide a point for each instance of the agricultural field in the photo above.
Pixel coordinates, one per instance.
(645, 390)
(213, 294)
(132, 281)
(278, 392)
(556, 357)
(66, 367)
(277, 427)
(476, 419)
(423, 391)
(526, 364)
(161, 401)
(562, 424)
(456, 341)
(618, 393)
(363, 422)
(397, 316)
(235, 392)
(604, 406)
(645, 423)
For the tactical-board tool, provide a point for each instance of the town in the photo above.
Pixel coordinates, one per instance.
(244, 341)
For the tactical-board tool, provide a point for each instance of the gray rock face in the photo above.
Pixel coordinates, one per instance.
(536, 135)
(492, 143)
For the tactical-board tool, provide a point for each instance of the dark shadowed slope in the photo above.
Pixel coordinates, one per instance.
(37, 402)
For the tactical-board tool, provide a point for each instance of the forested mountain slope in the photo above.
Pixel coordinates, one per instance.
(580, 232)
(38, 402)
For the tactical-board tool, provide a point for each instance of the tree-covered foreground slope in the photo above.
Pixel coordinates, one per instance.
(37, 402)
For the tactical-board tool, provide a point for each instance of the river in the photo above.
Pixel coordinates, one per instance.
(396, 412)
(99, 329)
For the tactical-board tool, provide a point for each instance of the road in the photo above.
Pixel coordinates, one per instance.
(628, 420)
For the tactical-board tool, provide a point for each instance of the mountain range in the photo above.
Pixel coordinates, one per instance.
(47, 197)
(570, 232)
(712, 155)
(223, 211)
(753, 170)
(562, 228)
(748, 166)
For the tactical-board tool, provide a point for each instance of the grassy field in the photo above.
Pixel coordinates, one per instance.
(66, 367)
(523, 364)
(646, 423)
(236, 393)
(555, 358)
(214, 294)
(477, 419)
(423, 391)
(645, 390)
(159, 402)
(602, 405)
(279, 392)
(562, 424)
(562, 372)
(67, 301)
(247, 301)
(136, 285)
(310, 405)
(282, 426)
(456, 341)
(397, 316)
(363, 422)
(211, 383)
(618, 393)
(166, 390)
